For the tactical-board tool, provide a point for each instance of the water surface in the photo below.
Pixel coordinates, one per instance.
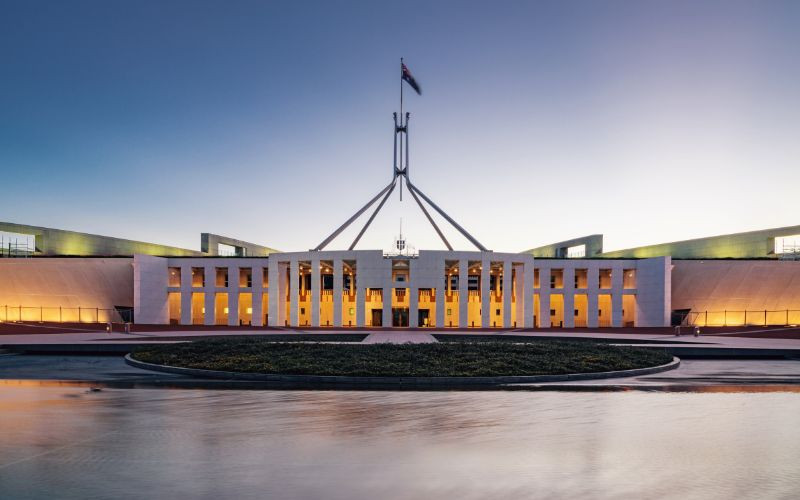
(65, 442)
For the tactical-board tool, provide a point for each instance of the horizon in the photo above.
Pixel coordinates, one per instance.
(646, 123)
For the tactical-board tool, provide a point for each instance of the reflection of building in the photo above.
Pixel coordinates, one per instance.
(746, 278)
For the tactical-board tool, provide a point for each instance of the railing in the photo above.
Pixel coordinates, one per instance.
(43, 314)
(784, 317)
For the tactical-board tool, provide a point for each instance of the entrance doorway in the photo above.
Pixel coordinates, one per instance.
(377, 317)
(424, 318)
(399, 316)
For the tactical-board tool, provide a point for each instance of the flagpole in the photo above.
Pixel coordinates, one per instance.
(401, 125)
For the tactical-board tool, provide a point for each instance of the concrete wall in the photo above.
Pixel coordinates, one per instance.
(594, 246)
(53, 242)
(753, 244)
(735, 285)
(150, 289)
(67, 283)
(209, 244)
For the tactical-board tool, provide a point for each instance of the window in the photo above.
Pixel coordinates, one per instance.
(552, 312)
(556, 278)
(13, 244)
(604, 278)
(497, 312)
(198, 277)
(245, 277)
(629, 278)
(222, 277)
(400, 277)
(225, 250)
(787, 244)
(174, 276)
(576, 252)
(473, 281)
(576, 312)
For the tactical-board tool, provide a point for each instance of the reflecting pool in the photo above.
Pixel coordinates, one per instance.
(69, 442)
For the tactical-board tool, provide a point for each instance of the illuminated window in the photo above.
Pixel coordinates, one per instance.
(226, 250)
(576, 252)
(13, 244)
(787, 244)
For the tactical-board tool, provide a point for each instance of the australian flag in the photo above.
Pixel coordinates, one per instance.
(410, 79)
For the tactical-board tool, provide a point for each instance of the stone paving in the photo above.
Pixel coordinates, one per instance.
(399, 338)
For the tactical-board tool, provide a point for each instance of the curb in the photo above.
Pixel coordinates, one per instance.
(422, 381)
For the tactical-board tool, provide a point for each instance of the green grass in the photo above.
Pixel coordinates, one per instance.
(454, 359)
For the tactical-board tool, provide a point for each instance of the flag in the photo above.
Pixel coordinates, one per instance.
(410, 79)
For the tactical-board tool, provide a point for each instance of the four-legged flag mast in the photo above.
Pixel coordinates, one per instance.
(400, 171)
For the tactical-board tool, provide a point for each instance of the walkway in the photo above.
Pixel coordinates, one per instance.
(399, 338)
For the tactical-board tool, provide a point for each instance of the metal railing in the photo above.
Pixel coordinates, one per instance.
(783, 317)
(45, 314)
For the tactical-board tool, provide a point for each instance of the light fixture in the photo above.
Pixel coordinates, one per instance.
(249, 310)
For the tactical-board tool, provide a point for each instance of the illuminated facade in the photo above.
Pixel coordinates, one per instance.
(231, 283)
(433, 289)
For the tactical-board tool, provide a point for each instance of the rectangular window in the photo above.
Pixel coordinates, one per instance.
(581, 278)
(576, 252)
(556, 278)
(198, 277)
(787, 244)
(222, 277)
(174, 276)
(604, 278)
(245, 277)
(629, 278)
(225, 250)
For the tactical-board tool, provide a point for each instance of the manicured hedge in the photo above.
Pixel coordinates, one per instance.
(451, 359)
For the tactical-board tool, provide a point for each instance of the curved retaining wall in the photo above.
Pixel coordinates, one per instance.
(453, 381)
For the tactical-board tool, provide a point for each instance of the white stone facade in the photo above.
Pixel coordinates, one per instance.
(348, 288)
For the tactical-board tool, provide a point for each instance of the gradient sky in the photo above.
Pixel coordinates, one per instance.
(271, 121)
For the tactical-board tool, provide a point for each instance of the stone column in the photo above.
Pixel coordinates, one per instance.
(388, 292)
(186, 295)
(413, 305)
(507, 277)
(486, 304)
(209, 317)
(527, 291)
(463, 293)
(544, 297)
(592, 290)
(361, 305)
(519, 290)
(616, 296)
(440, 307)
(338, 283)
(569, 297)
(233, 295)
(294, 292)
(257, 291)
(273, 317)
(315, 288)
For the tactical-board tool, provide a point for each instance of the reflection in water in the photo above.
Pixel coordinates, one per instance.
(72, 443)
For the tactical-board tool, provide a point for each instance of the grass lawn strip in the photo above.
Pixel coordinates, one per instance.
(453, 359)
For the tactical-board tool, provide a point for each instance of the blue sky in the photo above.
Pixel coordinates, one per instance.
(271, 121)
